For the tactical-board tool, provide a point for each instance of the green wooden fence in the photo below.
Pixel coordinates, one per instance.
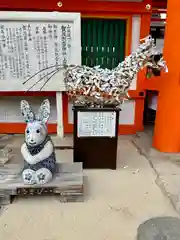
(103, 42)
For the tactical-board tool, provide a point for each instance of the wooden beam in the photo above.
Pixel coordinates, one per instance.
(83, 6)
(159, 4)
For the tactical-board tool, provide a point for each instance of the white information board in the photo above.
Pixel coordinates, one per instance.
(33, 41)
(96, 124)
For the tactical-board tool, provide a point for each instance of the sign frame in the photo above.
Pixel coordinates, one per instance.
(96, 124)
(56, 84)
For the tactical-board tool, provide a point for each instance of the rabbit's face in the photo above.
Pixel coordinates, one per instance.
(35, 133)
(36, 130)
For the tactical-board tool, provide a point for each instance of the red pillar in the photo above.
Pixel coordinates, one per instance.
(167, 127)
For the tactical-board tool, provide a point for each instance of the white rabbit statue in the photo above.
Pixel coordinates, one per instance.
(37, 150)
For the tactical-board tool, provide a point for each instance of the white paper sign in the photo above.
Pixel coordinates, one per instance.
(96, 124)
(26, 48)
(35, 41)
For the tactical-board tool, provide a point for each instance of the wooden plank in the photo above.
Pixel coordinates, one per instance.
(5, 200)
(10, 175)
(67, 183)
(10, 172)
(61, 180)
(11, 168)
(48, 191)
(15, 169)
(8, 192)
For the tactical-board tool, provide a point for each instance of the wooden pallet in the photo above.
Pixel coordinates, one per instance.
(67, 184)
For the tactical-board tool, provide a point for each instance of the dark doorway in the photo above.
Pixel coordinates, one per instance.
(150, 108)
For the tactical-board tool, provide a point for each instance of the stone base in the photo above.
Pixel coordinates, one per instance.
(160, 228)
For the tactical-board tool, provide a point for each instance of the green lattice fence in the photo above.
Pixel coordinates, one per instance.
(103, 42)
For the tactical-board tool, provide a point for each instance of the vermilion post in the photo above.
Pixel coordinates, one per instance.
(167, 127)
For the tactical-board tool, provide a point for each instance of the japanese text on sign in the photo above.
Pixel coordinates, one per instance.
(26, 48)
(96, 124)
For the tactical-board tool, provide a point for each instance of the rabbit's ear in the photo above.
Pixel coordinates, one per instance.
(44, 111)
(26, 111)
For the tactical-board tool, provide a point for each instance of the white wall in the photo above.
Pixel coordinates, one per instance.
(127, 115)
(10, 108)
(159, 44)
